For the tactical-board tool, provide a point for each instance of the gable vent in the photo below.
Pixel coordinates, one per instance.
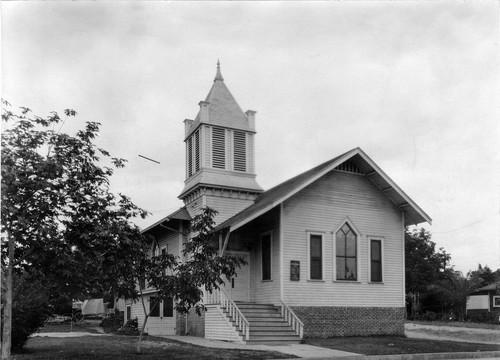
(349, 166)
(240, 151)
(218, 148)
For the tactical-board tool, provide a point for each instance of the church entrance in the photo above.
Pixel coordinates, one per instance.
(239, 286)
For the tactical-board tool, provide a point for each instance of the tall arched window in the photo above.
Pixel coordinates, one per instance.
(346, 254)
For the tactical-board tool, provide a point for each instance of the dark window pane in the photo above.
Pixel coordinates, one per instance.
(315, 246)
(340, 244)
(376, 260)
(316, 257)
(168, 307)
(375, 250)
(316, 273)
(266, 257)
(376, 271)
(340, 268)
(129, 312)
(155, 312)
(350, 245)
(351, 270)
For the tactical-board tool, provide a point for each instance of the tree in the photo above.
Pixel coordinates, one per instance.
(59, 220)
(486, 275)
(184, 280)
(424, 266)
(456, 289)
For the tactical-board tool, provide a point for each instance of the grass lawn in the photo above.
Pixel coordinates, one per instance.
(387, 345)
(123, 347)
(469, 325)
(67, 328)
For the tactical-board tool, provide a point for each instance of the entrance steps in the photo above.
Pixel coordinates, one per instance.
(267, 326)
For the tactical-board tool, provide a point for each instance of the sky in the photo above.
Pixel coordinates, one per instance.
(414, 84)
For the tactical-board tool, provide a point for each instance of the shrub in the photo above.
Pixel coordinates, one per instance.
(130, 328)
(30, 309)
(429, 316)
(484, 317)
(112, 322)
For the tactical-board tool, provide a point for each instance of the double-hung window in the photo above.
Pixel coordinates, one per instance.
(375, 260)
(315, 257)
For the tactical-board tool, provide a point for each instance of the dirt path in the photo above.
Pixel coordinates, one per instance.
(462, 334)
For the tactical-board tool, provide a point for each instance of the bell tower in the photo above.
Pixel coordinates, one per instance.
(220, 156)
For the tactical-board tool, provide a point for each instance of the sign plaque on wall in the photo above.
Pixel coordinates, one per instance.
(294, 270)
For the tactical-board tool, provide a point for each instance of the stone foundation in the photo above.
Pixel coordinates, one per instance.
(329, 321)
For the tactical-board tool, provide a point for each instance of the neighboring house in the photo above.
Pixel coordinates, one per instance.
(325, 249)
(485, 299)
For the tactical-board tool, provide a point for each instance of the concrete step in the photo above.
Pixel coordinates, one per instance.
(274, 338)
(255, 306)
(272, 342)
(262, 316)
(271, 333)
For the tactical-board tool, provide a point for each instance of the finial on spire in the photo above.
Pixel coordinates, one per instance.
(218, 75)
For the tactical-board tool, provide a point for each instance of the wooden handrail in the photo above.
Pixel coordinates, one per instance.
(292, 320)
(221, 297)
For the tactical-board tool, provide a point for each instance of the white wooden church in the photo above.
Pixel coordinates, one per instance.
(325, 249)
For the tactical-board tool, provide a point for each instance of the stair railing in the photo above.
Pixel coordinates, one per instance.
(292, 320)
(221, 297)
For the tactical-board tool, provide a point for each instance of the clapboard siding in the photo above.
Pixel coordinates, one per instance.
(218, 326)
(171, 241)
(227, 206)
(323, 207)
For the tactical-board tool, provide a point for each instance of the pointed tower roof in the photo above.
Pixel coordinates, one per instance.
(223, 110)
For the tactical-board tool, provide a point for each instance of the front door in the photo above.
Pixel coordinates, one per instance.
(161, 320)
(239, 286)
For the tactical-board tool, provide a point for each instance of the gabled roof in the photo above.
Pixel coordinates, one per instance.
(223, 109)
(181, 214)
(276, 195)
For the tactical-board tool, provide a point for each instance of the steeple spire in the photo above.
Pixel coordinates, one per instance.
(218, 75)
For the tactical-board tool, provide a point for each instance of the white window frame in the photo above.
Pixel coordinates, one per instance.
(358, 251)
(270, 233)
(382, 259)
(322, 234)
(495, 297)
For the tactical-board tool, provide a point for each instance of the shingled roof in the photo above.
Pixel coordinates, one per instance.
(223, 110)
(276, 195)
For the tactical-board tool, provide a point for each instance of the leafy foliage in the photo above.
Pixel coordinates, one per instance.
(112, 322)
(59, 219)
(30, 310)
(57, 205)
(130, 328)
(486, 275)
(424, 267)
(424, 264)
(202, 267)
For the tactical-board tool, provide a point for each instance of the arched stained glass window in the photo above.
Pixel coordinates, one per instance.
(346, 254)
